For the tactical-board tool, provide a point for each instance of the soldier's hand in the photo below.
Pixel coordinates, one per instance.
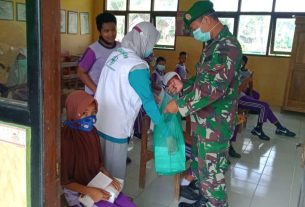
(171, 107)
(175, 86)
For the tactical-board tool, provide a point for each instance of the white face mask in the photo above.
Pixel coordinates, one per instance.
(161, 67)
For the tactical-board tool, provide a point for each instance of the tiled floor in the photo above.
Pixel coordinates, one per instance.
(267, 175)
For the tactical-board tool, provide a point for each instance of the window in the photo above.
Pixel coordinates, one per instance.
(162, 13)
(229, 6)
(253, 33)
(283, 37)
(291, 6)
(167, 28)
(120, 27)
(229, 22)
(263, 27)
(134, 19)
(116, 5)
(256, 5)
(13, 55)
(165, 5)
(139, 5)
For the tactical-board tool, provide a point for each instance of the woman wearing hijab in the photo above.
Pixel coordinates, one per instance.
(81, 156)
(123, 87)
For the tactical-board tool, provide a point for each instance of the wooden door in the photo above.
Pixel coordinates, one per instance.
(295, 87)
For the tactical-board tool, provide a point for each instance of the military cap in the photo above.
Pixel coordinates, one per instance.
(198, 9)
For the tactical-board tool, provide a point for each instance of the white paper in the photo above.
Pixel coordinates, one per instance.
(102, 181)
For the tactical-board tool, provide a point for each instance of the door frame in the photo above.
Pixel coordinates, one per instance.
(42, 113)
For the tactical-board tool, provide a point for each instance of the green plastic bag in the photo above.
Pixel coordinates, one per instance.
(169, 146)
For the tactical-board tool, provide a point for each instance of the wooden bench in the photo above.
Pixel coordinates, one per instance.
(242, 113)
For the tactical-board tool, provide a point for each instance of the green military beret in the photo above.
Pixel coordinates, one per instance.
(198, 9)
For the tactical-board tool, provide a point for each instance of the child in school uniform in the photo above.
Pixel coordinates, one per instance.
(81, 155)
(250, 100)
(181, 68)
(95, 56)
(158, 75)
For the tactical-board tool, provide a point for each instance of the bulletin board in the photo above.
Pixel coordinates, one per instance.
(15, 165)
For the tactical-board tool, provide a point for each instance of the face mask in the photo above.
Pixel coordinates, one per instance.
(84, 124)
(148, 53)
(161, 67)
(203, 36)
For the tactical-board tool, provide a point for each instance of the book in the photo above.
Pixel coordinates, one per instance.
(102, 181)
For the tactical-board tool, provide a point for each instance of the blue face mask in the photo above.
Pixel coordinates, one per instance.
(203, 36)
(84, 124)
(161, 67)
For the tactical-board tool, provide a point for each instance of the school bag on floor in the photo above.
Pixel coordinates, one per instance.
(169, 146)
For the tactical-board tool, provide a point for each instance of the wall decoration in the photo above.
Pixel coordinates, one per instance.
(63, 21)
(72, 22)
(84, 22)
(7, 10)
(20, 12)
(180, 29)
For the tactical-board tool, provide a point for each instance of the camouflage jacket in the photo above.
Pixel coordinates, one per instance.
(210, 97)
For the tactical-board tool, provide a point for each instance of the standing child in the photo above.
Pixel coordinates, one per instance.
(181, 68)
(158, 75)
(81, 156)
(95, 56)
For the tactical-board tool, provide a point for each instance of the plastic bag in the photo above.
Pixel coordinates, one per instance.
(169, 146)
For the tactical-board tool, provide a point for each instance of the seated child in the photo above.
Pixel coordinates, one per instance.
(158, 75)
(187, 183)
(250, 102)
(81, 156)
(181, 68)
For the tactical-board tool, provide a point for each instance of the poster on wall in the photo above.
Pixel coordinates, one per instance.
(84, 22)
(15, 164)
(72, 22)
(20, 12)
(180, 29)
(6, 10)
(63, 25)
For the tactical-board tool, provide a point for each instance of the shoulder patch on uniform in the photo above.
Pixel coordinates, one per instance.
(188, 16)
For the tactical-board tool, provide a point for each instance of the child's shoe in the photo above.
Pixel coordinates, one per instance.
(260, 133)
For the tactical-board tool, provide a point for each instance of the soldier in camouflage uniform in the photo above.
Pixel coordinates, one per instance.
(210, 97)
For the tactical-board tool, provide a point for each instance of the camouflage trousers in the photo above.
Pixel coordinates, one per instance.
(209, 168)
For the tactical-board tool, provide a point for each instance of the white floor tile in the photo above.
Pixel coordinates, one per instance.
(238, 200)
(245, 175)
(160, 191)
(266, 196)
(240, 187)
(267, 175)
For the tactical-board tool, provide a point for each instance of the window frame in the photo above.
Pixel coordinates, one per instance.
(31, 114)
(280, 16)
(272, 28)
(153, 15)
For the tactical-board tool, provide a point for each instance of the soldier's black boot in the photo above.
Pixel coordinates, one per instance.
(199, 203)
(233, 153)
